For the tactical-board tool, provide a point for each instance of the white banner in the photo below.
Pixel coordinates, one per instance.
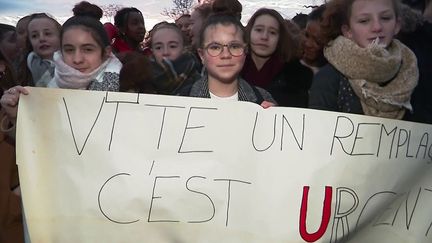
(117, 167)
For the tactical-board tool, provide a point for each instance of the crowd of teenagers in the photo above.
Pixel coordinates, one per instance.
(365, 57)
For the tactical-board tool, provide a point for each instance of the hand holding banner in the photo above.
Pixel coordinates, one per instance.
(116, 167)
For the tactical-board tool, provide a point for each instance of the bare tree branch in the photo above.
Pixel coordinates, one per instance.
(110, 10)
(180, 7)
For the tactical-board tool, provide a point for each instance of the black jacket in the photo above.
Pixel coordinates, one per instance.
(419, 42)
(291, 86)
(331, 91)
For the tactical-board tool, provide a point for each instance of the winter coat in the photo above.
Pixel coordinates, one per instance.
(419, 41)
(246, 92)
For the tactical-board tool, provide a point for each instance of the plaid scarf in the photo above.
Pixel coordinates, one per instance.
(170, 76)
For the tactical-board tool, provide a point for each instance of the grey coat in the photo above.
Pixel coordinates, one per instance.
(246, 92)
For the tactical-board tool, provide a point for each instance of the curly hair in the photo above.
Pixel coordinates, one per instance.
(122, 16)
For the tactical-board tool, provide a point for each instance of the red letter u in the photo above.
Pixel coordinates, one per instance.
(312, 237)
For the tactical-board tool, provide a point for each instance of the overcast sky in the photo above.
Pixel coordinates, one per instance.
(11, 10)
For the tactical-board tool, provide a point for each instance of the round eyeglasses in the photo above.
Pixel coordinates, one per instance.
(235, 49)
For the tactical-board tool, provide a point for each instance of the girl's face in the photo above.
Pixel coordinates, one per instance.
(184, 24)
(81, 51)
(22, 35)
(8, 45)
(264, 36)
(371, 20)
(195, 27)
(166, 43)
(44, 37)
(224, 67)
(135, 28)
(312, 44)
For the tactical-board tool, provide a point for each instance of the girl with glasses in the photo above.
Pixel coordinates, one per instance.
(222, 50)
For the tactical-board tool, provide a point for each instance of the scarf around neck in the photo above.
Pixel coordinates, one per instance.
(263, 77)
(42, 70)
(68, 77)
(383, 78)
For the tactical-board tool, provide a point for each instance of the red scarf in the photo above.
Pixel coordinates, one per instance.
(262, 78)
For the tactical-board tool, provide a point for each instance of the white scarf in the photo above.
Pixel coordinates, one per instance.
(68, 77)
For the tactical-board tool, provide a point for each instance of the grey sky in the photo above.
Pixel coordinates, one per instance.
(11, 10)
